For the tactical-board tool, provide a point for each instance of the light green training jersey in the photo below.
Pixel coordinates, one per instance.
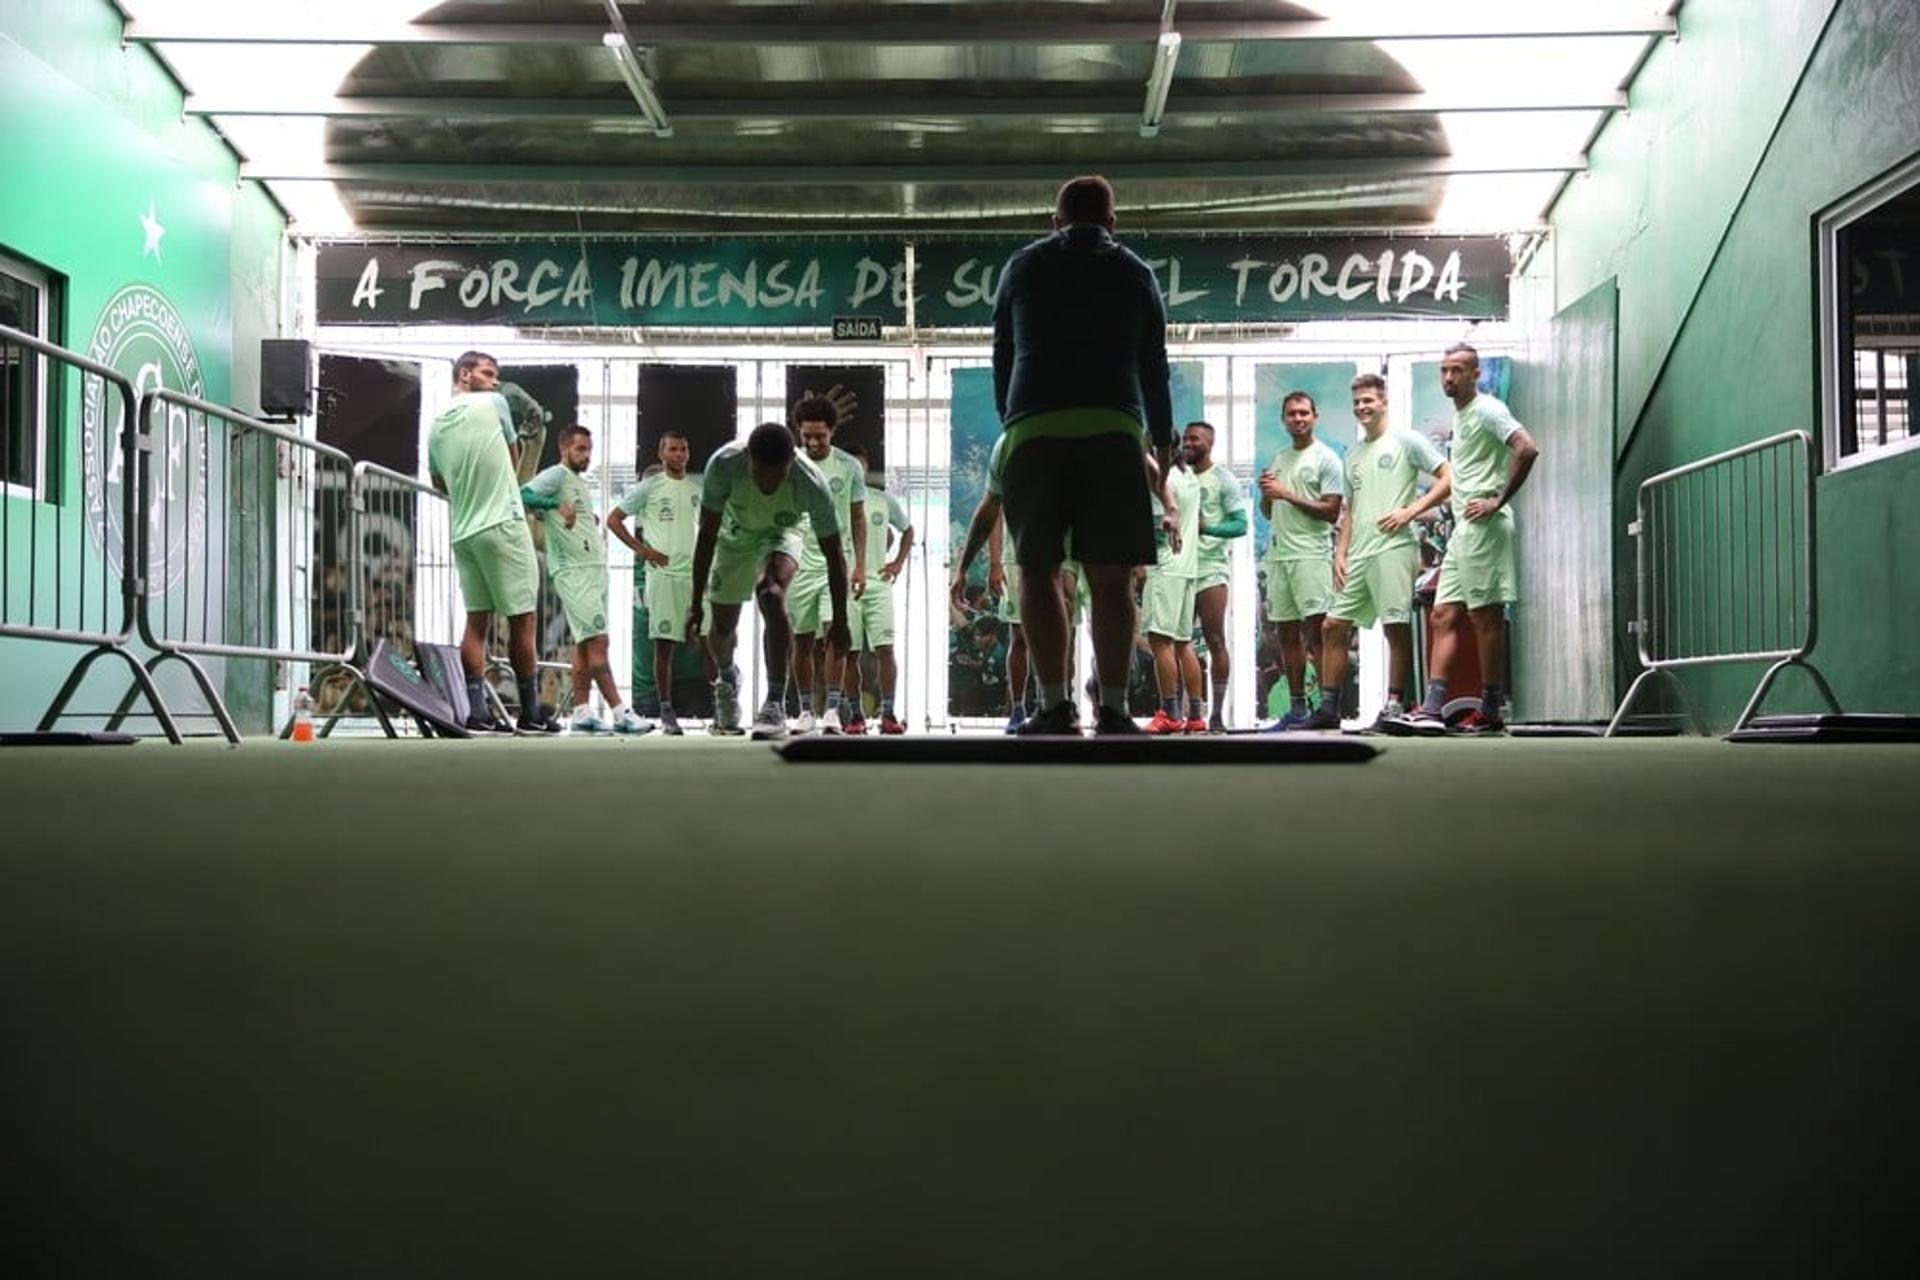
(848, 482)
(579, 547)
(668, 513)
(467, 452)
(1312, 472)
(1382, 476)
(728, 488)
(1221, 497)
(883, 512)
(1184, 563)
(1480, 455)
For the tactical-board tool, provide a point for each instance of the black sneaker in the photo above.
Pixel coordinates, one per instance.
(1111, 723)
(1417, 723)
(541, 728)
(1216, 726)
(488, 727)
(1325, 718)
(1062, 721)
(670, 725)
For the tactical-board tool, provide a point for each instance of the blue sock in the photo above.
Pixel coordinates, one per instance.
(477, 699)
(1491, 701)
(1171, 706)
(1436, 698)
(1299, 706)
(886, 706)
(776, 691)
(834, 699)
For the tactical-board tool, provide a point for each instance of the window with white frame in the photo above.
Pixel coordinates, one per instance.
(23, 382)
(1870, 319)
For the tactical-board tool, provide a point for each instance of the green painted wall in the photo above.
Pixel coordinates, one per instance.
(93, 144)
(1701, 203)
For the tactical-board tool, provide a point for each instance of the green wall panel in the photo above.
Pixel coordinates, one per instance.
(1563, 625)
(95, 153)
(1666, 176)
(1744, 364)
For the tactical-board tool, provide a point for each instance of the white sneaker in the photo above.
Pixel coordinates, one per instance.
(802, 726)
(584, 721)
(830, 722)
(629, 723)
(772, 722)
(726, 711)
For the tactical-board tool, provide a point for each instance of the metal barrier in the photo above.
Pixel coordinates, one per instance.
(231, 533)
(1725, 552)
(79, 585)
(402, 585)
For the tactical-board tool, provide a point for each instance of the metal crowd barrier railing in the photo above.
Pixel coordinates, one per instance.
(1725, 553)
(230, 531)
(399, 571)
(76, 583)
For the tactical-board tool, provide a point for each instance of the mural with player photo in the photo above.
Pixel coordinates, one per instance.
(858, 392)
(370, 410)
(700, 401)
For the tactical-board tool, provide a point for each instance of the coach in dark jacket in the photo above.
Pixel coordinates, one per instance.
(1080, 381)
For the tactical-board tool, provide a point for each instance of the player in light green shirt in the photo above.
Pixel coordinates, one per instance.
(1376, 555)
(1492, 456)
(577, 567)
(872, 622)
(666, 508)
(816, 419)
(1301, 493)
(471, 456)
(1166, 614)
(1223, 517)
(753, 497)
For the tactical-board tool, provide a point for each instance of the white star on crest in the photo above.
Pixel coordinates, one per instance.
(150, 223)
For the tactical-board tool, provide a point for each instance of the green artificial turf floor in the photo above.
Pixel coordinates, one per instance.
(657, 1008)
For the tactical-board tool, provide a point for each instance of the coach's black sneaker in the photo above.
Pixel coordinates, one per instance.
(545, 726)
(1417, 723)
(1061, 721)
(1110, 723)
(1324, 719)
(488, 727)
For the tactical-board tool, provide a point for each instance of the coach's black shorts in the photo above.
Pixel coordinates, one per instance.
(1093, 488)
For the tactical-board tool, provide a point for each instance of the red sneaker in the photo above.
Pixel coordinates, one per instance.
(1196, 726)
(855, 727)
(1164, 724)
(891, 726)
(1476, 724)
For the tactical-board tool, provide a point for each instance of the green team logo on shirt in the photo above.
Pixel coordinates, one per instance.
(666, 511)
(1387, 462)
(663, 627)
(839, 484)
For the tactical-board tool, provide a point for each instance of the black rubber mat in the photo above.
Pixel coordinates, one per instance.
(66, 738)
(1303, 748)
(1830, 728)
(1591, 729)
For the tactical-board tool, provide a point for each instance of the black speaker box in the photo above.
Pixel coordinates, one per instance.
(286, 376)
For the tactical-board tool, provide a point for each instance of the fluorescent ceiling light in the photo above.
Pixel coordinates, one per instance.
(628, 63)
(1159, 82)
